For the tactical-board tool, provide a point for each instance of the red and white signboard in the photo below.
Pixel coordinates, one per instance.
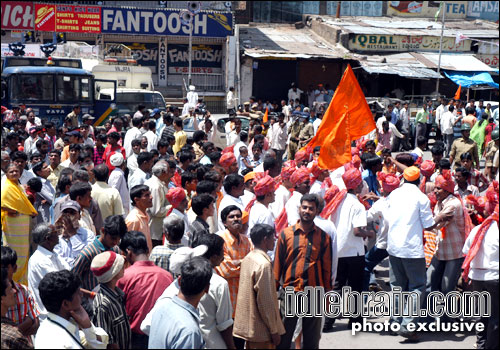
(45, 18)
(17, 15)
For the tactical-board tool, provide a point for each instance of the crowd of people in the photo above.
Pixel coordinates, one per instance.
(136, 235)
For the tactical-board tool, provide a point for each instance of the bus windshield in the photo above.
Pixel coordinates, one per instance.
(38, 87)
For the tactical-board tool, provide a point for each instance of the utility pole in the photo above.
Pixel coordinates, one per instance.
(337, 15)
(190, 48)
(443, 8)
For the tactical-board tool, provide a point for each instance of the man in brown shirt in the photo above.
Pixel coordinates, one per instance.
(257, 317)
(303, 259)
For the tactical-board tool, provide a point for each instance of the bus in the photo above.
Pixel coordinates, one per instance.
(53, 90)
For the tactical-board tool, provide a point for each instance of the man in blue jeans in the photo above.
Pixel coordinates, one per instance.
(408, 214)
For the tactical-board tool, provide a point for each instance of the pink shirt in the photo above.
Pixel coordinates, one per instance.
(137, 220)
(143, 283)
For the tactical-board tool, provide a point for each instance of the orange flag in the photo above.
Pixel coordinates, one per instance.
(265, 116)
(347, 118)
(457, 94)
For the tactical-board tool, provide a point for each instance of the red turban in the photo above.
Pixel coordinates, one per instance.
(330, 193)
(427, 168)
(264, 186)
(175, 196)
(354, 151)
(445, 181)
(300, 175)
(291, 163)
(316, 170)
(301, 156)
(492, 192)
(227, 159)
(352, 178)
(287, 171)
(389, 181)
(229, 149)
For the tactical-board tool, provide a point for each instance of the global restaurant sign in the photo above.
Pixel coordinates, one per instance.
(362, 42)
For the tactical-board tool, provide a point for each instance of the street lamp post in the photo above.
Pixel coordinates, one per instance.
(443, 8)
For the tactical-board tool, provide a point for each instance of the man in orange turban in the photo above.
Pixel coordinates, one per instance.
(283, 194)
(427, 170)
(319, 175)
(228, 163)
(301, 182)
(177, 198)
(260, 212)
(301, 158)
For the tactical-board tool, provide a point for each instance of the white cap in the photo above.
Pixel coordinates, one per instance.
(192, 88)
(183, 254)
(116, 159)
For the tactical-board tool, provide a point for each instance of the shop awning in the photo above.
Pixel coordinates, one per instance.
(471, 79)
(406, 71)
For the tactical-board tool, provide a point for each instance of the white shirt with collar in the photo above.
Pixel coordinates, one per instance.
(317, 189)
(68, 164)
(408, 213)
(260, 214)
(41, 263)
(152, 140)
(350, 215)
(139, 177)
(132, 134)
(226, 201)
(188, 237)
(292, 208)
(56, 332)
(484, 266)
(279, 137)
(281, 196)
(26, 176)
(117, 180)
(329, 227)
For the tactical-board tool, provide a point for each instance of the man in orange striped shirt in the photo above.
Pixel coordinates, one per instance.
(303, 258)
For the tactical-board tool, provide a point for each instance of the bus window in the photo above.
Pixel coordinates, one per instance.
(32, 87)
(72, 88)
(85, 84)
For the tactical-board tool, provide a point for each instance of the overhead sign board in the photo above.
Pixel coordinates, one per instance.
(17, 15)
(362, 42)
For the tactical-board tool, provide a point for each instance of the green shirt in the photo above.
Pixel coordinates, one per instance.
(422, 116)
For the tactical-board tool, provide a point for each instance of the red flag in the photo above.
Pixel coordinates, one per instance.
(265, 116)
(347, 118)
(457, 94)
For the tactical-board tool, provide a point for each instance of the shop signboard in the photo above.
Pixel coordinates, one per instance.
(364, 42)
(67, 18)
(164, 22)
(453, 9)
(487, 10)
(206, 59)
(17, 15)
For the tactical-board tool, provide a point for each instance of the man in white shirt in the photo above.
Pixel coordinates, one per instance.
(158, 185)
(350, 221)
(117, 180)
(447, 121)
(283, 194)
(409, 213)
(301, 181)
(234, 186)
(234, 135)
(74, 153)
(481, 266)
(231, 101)
(260, 212)
(132, 134)
(141, 174)
(140, 112)
(279, 137)
(151, 135)
(44, 260)
(319, 175)
(192, 96)
(294, 93)
(60, 293)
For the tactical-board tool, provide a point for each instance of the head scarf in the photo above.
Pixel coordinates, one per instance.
(389, 181)
(427, 168)
(227, 159)
(491, 197)
(445, 181)
(316, 171)
(287, 171)
(352, 179)
(229, 149)
(300, 175)
(175, 196)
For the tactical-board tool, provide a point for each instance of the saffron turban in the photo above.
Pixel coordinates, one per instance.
(227, 159)
(287, 171)
(316, 170)
(352, 178)
(175, 196)
(411, 173)
(427, 168)
(249, 176)
(330, 193)
(389, 181)
(300, 175)
(445, 181)
(356, 161)
(264, 186)
(301, 156)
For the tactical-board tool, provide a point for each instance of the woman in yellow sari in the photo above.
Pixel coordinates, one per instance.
(16, 212)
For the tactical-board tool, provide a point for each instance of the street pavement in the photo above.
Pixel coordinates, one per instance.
(340, 336)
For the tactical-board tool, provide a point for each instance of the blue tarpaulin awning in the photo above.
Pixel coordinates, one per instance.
(471, 79)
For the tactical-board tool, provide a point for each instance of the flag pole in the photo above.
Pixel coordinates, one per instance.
(440, 45)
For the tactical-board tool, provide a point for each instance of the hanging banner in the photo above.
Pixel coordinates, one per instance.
(164, 22)
(67, 18)
(162, 61)
(17, 15)
(487, 10)
(205, 59)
